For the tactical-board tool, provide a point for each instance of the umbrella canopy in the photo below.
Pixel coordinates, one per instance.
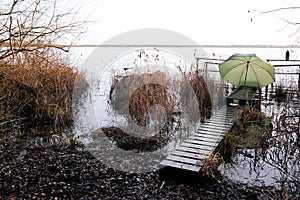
(247, 70)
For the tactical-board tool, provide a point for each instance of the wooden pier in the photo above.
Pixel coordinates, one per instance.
(198, 146)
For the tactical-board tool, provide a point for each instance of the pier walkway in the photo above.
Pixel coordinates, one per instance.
(189, 154)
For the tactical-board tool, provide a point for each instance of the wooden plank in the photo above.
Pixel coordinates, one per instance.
(227, 110)
(219, 121)
(206, 136)
(216, 125)
(227, 113)
(209, 132)
(220, 131)
(189, 155)
(224, 115)
(181, 165)
(201, 142)
(226, 119)
(214, 128)
(193, 150)
(180, 159)
(197, 137)
(197, 146)
(211, 127)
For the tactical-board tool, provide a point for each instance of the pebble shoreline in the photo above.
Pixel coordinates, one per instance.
(30, 171)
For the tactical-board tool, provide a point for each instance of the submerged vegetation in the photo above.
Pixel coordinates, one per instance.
(251, 130)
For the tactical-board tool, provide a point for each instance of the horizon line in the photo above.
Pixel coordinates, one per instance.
(159, 45)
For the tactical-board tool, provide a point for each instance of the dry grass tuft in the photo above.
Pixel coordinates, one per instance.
(210, 166)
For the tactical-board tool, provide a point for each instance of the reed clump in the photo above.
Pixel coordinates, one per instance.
(201, 90)
(138, 93)
(151, 89)
(250, 130)
(144, 97)
(37, 91)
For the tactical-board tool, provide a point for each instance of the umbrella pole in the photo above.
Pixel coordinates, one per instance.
(259, 101)
(246, 72)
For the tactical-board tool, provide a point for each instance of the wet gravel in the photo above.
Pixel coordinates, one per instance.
(53, 171)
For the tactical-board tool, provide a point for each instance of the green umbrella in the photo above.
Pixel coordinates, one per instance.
(247, 70)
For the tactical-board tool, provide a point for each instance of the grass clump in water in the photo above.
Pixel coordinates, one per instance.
(128, 142)
(250, 131)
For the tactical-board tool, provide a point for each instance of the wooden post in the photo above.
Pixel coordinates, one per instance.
(272, 85)
(299, 82)
(205, 71)
(266, 92)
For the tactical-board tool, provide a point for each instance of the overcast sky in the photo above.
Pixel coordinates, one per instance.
(211, 22)
(206, 22)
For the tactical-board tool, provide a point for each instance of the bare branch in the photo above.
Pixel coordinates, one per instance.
(26, 23)
(280, 9)
(289, 22)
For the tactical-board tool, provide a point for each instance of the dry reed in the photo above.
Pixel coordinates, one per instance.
(148, 92)
(38, 90)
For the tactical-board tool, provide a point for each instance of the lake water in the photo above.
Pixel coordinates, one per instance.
(277, 165)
